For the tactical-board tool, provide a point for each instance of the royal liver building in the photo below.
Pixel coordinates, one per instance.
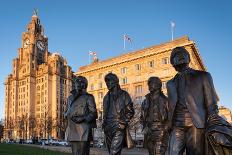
(37, 88)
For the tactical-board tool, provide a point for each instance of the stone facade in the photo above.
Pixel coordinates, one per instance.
(134, 69)
(37, 88)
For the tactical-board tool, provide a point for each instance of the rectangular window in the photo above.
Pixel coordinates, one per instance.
(37, 109)
(100, 85)
(165, 60)
(91, 78)
(151, 64)
(164, 85)
(123, 70)
(101, 106)
(138, 89)
(92, 87)
(124, 80)
(38, 99)
(100, 75)
(100, 95)
(138, 67)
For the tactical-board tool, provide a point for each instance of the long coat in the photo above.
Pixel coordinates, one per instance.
(124, 109)
(162, 109)
(201, 98)
(83, 105)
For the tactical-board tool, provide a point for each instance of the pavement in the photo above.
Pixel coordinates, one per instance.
(95, 151)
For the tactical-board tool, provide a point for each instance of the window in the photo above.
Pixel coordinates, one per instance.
(38, 98)
(124, 80)
(92, 87)
(37, 108)
(100, 107)
(100, 85)
(100, 75)
(138, 89)
(100, 95)
(138, 78)
(91, 78)
(164, 85)
(151, 64)
(138, 66)
(123, 70)
(165, 60)
(165, 72)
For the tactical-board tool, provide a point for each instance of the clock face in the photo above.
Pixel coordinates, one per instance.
(26, 43)
(40, 45)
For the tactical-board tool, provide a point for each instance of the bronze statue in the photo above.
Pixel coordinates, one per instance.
(117, 112)
(81, 115)
(192, 100)
(154, 115)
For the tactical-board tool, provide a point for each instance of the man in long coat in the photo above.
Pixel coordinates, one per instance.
(154, 114)
(117, 112)
(81, 115)
(192, 100)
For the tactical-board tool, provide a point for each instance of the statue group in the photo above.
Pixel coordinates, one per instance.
(186, 120)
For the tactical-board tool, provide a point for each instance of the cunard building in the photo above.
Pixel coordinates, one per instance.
(37, 88)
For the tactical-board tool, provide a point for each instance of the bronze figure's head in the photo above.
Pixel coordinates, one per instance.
(81, 83)
(180, 58)
(111, 80)
(154, 84)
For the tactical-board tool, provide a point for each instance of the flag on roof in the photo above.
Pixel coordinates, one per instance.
(126, 37)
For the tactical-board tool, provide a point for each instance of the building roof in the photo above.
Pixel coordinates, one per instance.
(156, 49)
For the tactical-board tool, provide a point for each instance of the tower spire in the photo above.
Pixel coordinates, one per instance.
(35, 12)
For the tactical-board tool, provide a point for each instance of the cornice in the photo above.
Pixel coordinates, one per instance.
(133, 56)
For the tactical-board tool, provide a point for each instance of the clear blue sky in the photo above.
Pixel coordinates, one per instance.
(75, 27)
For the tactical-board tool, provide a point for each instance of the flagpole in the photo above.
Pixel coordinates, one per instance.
(124, 42)
(89, 57)
(172, 33)
(172, 29)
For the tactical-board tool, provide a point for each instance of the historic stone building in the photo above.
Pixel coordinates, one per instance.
(37, 88)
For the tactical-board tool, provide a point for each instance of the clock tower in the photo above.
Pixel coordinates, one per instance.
(37, 88)
(34, 48)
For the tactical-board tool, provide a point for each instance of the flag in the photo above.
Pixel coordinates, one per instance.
(173, 24)
(126, 37)
(92, 53)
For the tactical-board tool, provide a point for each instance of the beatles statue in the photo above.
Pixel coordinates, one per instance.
(154, 114)
(81, 114)
(117, 112)
(192, 103)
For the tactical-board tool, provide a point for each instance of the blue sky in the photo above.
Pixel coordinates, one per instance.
(75, 27)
